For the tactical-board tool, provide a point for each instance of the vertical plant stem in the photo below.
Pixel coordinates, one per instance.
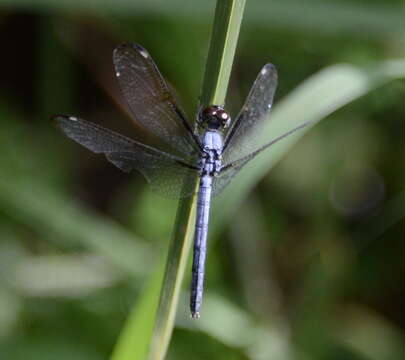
(228, 17)
(174, 273)
(225, 33)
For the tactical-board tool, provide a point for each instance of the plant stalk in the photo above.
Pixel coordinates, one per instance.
(227, 21)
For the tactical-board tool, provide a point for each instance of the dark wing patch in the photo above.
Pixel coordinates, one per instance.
(150, 100)
(243, 135)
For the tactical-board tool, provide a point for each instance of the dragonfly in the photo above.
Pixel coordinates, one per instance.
(208, 153)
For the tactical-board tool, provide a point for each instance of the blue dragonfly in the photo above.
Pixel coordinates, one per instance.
(212, 150)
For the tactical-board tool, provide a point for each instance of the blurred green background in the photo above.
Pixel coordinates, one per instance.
(317, 244)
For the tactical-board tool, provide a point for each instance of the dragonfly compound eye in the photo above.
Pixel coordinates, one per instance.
(214, 117)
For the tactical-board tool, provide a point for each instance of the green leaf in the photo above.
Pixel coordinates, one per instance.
(369, 334)
(134, 338)
(64, 222)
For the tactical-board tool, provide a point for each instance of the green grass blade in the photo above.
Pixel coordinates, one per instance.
(176, 265)
(228, 16)
(134, 338)
(61, 220)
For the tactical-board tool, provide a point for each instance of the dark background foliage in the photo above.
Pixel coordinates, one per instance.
(317, 245)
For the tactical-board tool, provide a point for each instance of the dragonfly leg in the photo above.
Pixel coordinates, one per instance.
(217, 163)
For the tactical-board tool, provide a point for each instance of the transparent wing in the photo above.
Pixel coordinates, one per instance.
(150, 99)
(166, 178)
(229, 170)
(242, 137)
(167, 174)
(224, 178)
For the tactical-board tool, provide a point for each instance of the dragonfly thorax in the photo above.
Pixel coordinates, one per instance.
(212, 142)
(214, 118)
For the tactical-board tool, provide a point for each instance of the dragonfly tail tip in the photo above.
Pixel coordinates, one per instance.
(195, 315)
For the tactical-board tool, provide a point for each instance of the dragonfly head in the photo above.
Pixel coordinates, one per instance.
(214, 117)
